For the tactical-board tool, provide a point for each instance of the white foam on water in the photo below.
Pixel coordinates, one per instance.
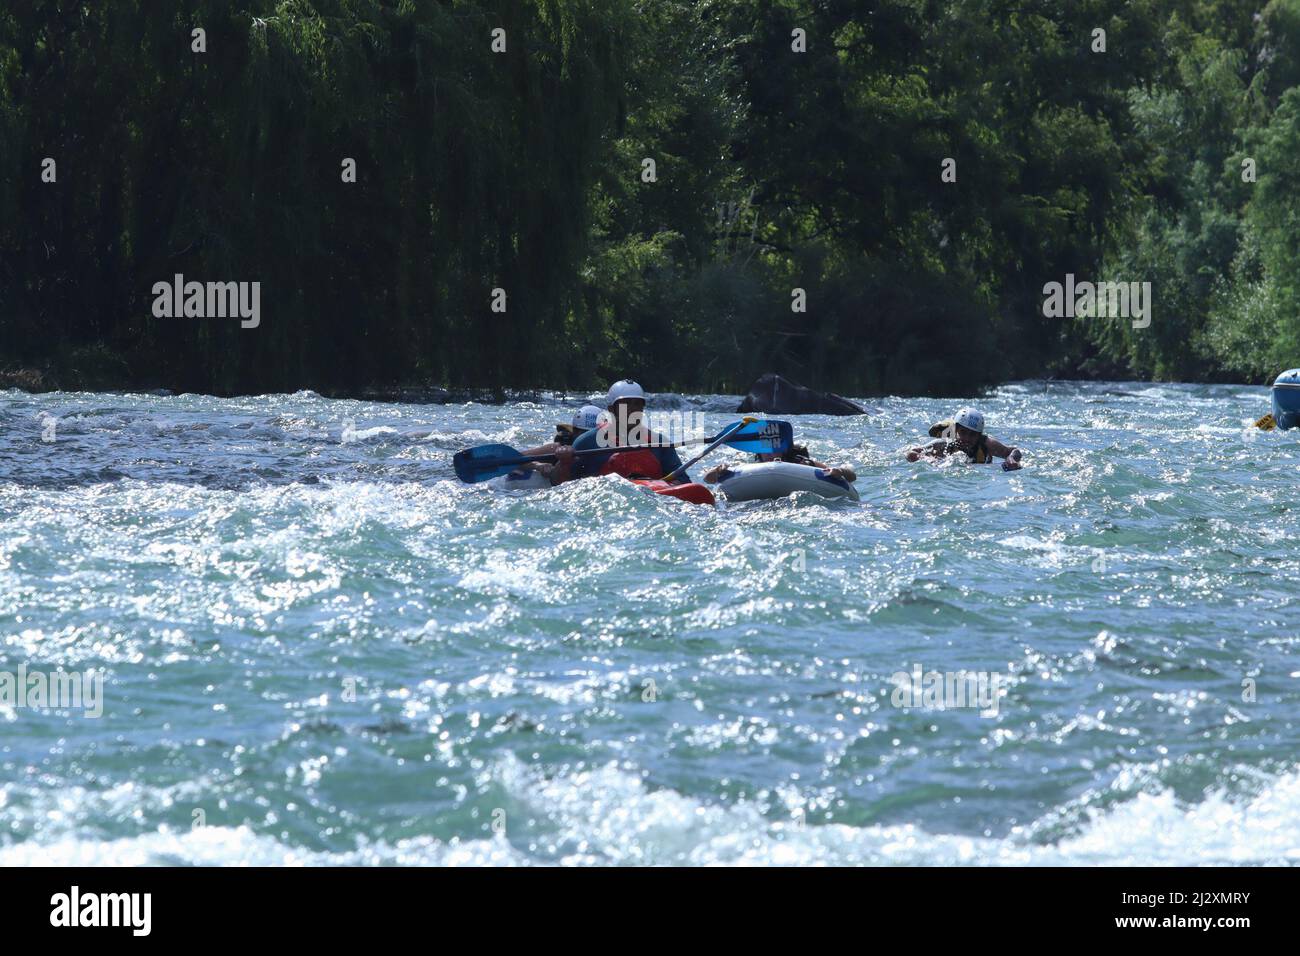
(240, 846)
(617, 819)
(609, 816)
(281, 569)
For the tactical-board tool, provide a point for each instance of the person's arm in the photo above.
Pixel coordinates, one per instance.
(935, 449)
(562, 470)
(835, 471)
(547, 449)
(1011, 454)
(579, 467)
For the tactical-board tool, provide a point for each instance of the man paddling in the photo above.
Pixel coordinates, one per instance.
(585, 419)
(625, 427)
(965, 435)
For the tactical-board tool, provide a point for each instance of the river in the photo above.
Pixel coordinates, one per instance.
(317, 646)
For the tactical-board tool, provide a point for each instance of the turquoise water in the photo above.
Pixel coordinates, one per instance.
(318, 647)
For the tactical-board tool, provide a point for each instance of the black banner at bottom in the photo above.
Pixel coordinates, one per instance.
(335, 906)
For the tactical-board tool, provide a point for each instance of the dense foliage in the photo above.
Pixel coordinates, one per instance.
(522, 170)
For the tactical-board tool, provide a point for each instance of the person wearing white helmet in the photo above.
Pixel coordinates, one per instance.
(624, 426)
(587, 417)
(965, 434)
(584, 420)
(566, 433)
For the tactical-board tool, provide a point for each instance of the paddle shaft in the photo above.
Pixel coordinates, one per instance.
(721, 439)
(524, 459)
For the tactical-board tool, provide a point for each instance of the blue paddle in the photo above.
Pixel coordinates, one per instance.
(753, 436)
(770, 430)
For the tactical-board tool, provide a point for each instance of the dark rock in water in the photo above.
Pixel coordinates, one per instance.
(775, 395)
(27, 380)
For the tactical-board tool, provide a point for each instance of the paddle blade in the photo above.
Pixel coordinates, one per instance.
(485, 462)
(763, 437)
(1267, 423)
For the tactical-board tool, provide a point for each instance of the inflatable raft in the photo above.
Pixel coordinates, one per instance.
(690, 491)
(529, 480)
(776, 479)
(1286, 399)
(524, 479)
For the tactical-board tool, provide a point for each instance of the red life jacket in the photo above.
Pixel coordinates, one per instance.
(641, 463)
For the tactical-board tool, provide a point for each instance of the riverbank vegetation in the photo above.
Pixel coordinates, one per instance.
(1172, 156)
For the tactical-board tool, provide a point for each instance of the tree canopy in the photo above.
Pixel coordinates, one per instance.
(917, 169)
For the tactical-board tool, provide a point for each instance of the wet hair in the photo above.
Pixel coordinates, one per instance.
(566, 434)
(797, 455)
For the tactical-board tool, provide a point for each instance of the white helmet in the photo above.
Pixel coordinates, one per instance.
(625, 388)
(587, 417)
(969, 418)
